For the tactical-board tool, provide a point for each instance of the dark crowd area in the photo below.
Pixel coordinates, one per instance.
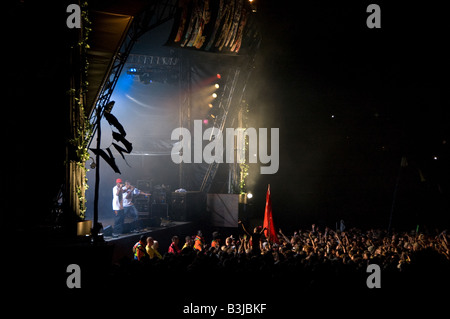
(309, 266)
(312, 258)
(320, 270)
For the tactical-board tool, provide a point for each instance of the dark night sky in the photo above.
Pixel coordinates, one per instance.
(385, 87)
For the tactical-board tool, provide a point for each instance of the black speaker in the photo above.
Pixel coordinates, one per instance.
(159, 210)
(128, 227)
(142, 204)
(188, 206)
(144, 185)
(179, 206)
(154, 222)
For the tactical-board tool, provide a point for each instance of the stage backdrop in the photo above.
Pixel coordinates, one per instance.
(222, 26)
(224, 209)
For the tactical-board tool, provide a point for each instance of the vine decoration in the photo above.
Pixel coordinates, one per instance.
(244, 166)
(82, 129)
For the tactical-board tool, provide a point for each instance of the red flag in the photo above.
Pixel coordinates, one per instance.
(270, 233)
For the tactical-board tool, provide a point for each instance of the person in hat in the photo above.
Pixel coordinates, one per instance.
(117, 206)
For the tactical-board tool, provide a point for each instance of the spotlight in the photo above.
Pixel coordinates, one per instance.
(249, 195)
(213, 116)
(214, 95)
(210, 105)
(217, 85)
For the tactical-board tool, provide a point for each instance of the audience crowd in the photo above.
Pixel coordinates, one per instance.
(306, 259)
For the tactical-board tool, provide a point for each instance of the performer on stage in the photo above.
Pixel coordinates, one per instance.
(117, 206)
(129, 191)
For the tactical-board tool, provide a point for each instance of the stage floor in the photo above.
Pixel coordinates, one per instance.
(146, 231)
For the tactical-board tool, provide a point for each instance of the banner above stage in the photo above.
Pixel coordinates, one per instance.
(220, 26)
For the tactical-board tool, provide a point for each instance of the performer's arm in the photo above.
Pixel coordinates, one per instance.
(139, 192)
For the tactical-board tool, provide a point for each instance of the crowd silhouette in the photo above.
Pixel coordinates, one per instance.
(310, 260)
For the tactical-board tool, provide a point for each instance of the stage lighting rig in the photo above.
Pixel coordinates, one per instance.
(132, 71)
(145, 78)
